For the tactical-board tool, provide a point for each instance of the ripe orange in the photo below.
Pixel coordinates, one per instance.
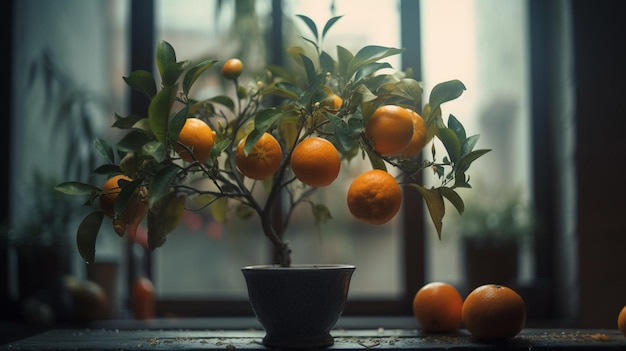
(315, 162)
(437, 307)
(374, 197)
(390, 130)
(333, 102)
(232, 68)
(198, 137)
(418, 140)
(621, 321)
(494, 312)
(263, 160)
(135, 208)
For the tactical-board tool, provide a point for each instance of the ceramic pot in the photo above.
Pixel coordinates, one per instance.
(298, 305)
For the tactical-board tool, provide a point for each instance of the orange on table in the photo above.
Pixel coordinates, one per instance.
(494, 312)
(621, 321)
(315, 162)
(374, 197)
(198, 137)
(437, 307)
(390, 130)
(418, 140)
(263, 160)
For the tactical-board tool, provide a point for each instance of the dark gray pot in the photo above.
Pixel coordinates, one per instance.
(298, 305)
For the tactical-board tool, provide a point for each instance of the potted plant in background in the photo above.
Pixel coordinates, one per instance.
(492, 233)
(265, 148)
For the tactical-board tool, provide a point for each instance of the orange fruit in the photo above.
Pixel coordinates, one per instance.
(390, 130)
(315, 162)
(135, 208)
(143, 298)
(374, 197)
(232, 68)
(333, 102)
(418, 140)
(494, 312)
(437, 307)
(621, 321)
(198, 137)
(263, 160)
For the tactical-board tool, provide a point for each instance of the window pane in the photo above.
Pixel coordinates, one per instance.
(483, 43)
(202, 258)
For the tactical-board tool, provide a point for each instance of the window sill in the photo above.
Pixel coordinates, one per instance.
(167, 337)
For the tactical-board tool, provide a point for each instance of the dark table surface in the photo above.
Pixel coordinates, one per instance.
(345, 339)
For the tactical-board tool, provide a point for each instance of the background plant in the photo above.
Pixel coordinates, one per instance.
(289, 104)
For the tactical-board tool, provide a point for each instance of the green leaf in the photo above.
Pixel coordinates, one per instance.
(224, 101)
(435, 204)
(172, 72)
(321, 213)
(176, 124)
(457, 127)
(344, 57)
(327, 63)
(262, 122)
(329, 25)
(444, 92)
(106, 169)
(163, 218)
(219, 209)
(159, 112)
(284, 89)
(76, 188)
(309, 69)
(468, 145)
(369, 54)
(376, 161)
(127, 192)
(105, 149)
(194, 73)
(454, 198)
(165, 55)
(451, 143)
(466, 161)
(87, 235)
(143, 82)
(126, 122)
(342, 132)
(366, 70)
(133, 141)
(311, 24)
(155, 149)
(162, 183)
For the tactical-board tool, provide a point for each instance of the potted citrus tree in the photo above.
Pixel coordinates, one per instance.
(268, 147)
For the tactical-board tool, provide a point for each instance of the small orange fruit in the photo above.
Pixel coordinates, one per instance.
(390, 130)
(315, 162)
(332, 102)
(198, 137)
(374, 197)
(135, 208)
(263, 160)
(232, 68)
(437, 307)
(494, 312)
(621, 321)
(418, 140)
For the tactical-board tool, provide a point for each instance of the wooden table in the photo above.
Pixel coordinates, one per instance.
(345, 339)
